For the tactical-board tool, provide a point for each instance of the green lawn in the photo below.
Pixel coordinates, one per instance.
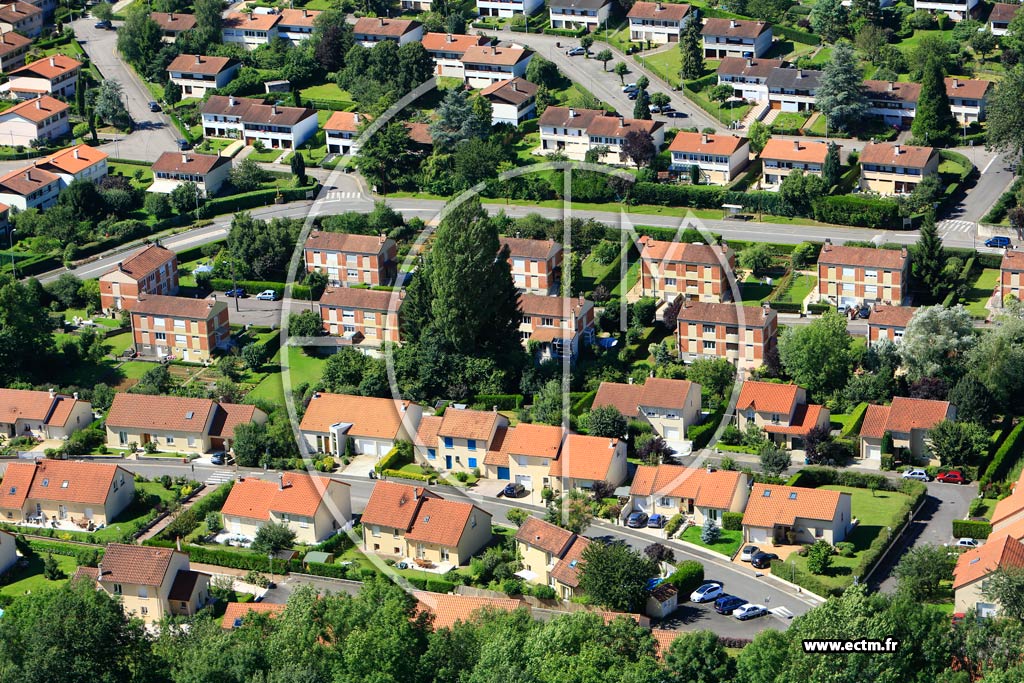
(980, 292)
(144, 173)
(30, 579)
(789, 121)
(327, 91)
(72, 313)
(728, 543)
(135, 369)
(753, 290)
(593, 271)
(632, 275)
(847, 421)
(119, 342)
(302, 367)
(267, 155)
(799, 288)
(665, 64)
(724, 112)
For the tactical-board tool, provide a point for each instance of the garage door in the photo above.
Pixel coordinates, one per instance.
(526, 481)
(671, 433)
(758, 535)
(367, 446)
(874, 452)
(790, 106)
(641, 504)
(503, 473)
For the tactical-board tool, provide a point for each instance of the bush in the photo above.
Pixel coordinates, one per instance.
(1005, 458)
(966, 528)
(415, 476)
(544, 593)
(672, 526)
(401, 454)
(732, 521)
(687, 577)
(503, 401)
(864, 212)
(85, 555)
(187, 520)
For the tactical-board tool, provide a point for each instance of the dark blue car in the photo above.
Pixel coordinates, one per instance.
(656, 522)
(998, 241)
(727, 603)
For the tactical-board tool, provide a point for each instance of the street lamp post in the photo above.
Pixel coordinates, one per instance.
(270, 561)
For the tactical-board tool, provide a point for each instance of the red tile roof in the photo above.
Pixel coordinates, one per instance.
(969, 88)
(542, 441)
(873, 426)
(751, 68)
(295, 494)
(494, 54)
(734, 28)
(177, 306)
(187, 162)
(497, 453)
(230, 415)
(366, 299)
(1013, 261)
(567, 569)
(767, 397)
(545, 536)
(145, 261)
(450, 42)
(1006, 508)
(527, 248)
(443, 521)
(1003, 12)
(381, 26)
(25, 181)
(135, 564)
(394, 505)
(346, 121)
(805, 418)
(298, 17)
(49, 67)
(904, 415)
(201, 64)
(174, 21)
(795, 150)
(585, 457)
(167, 413)
(251, 22)
(890, 154)
(426, 435)
(771, 504)
(73, 481)
(26, 404)
(684, 252)
(727, 314)
(375, 418)
(448, 610)
(893, 91)
(469, 424)
(11, 42)
(347, 242)
(891, 316)
(867, 257)
(623, 397)
(707, 489)
(665, 393)
(39, 109)
(1001, 552)
(72, 160)
(515, 91)
(703, 143)
(662, 11)
(238, 611)
(16, 484)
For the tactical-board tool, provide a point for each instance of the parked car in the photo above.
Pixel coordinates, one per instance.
(629, 87)
(576, 52)
(105, 24)
(998, 241)
(864, 312)
(513, 490)
(677, 114)
(920, 475)
(750, 611)
(183, 144)
(966, 543)
(727, 604)
(655, 109)
(843, 308)
(153, 106)
(656, 522)
(632, 94)
(951, 477)
(267, 295)
(748, 552)
(239, 292)
(637, 520)
(707, 592)
(218, 458)
(763, 560)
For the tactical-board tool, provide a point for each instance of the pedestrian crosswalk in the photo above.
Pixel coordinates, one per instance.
(337, 196)
(220, 477)
(948, 226)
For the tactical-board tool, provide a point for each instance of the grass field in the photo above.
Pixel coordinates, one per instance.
(30, 579)
(632, 275)
(144, 173)
(753, 290)
(728, 543)
(665, 64)
(799, 288)
(788, 121)
(327, 91)
(302, 367)
(980, 292)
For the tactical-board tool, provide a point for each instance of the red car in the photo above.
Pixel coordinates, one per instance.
(953, 477)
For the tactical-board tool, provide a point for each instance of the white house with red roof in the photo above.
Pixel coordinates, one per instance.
(512, 102)
(71, 493)
(670, 406)
(719, 158)
(41, 118)
(658, 22)
(29, 188)
(80, 162)
(698, 493)
(792, 514)
(448, 609)
(504, 8)
(172, 169)
(893, 169)
(584, 460)
(314, 507)
(781, 410)
(199, 74)
(447, 50)
(371, 30)
(42, 414)
(974, 567)
(743, 38)
(250, 30)
(341, 129)
(371, 425)
(779, 158)
(574, 132)
(907, 420)
(957, 10)
(296, 25)
(487, 64)
(56, 75)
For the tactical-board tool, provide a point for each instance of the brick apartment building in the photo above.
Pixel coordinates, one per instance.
(700, 271)
(852, 276)
(152, 269)
(713, 330)
(178, 327)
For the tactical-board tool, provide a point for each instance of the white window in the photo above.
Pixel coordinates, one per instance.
(848, 273)
(709, 329)
(170, 439)
(122, 438)
(709, 345)
(191, 442)
(143, 593)
(375, 531)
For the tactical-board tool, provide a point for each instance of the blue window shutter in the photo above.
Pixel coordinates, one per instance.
(472, 462)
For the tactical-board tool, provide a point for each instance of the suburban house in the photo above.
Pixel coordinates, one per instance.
(151, 270)
(1000, 551)
(550, 555)
(314, 507)
(657, 22)
(151, 583)
(967, 98)
(176, 424)
(849, 276)
(747, 76)
(507, 8)
(792, 89)
(573, 132)
(172, 169)
(890, 169)
(29, 188)
(341, 129)
(80, 162)
(957, 10)
(709, 330)
(793, 514)
(893, 101)
(462, 437)
(249, 30)
(779, 158)
(512, 102)
(352, 259)
(447, 49)
(1001, 16)
(296, 25)
(670, 406)
(179, 328)
(236, 612)
(173, 24)
(907, 420)
(781, 410)
(1011, 275)
(412, 522)
(41, 118)
(699, 493)
(8, 551)
(42, 414)
(736, 38)
(888, 323)
(199, 74)
(448, 609)
(56, 75)
(574, 14)
(275, 126)
(484, 65)
(719, 158)
(557, 323)
(536, 264)
(1008, 515)
(22, 17)
(588, 459)
(361, 316)
(700, 271)
(68, 491)
(369, 30)
(339, 423)
(13, 48)
(523, 455)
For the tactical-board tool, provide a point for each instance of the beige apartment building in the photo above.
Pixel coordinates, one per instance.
(152, 270)
(891, 169)
(179, 328)
(536, 264)
(353, 259)
(361, 316)
(851, 276)
(698, 271)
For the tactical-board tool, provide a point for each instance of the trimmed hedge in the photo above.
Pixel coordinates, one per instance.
(1006, 201)
(1005, 458)
(795, 35)
(581, 403)
(863, 212)
(226, 558)
(432, 585)
(732, 521)
(250, 286)
(857, 417)
(673, 525)
(399, 474)
(85, 555)
(251, 200)
(577, 33)
(966, 528)
(814, 476)
(787, 306)
(687, 577)
(394, 459)
(701, 434)
(503, 401)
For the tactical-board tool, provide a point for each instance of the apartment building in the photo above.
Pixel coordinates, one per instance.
(558, 325)
(249, 30)
(13, 48)
(736, 38)
(747, 76)
(208, 171)
(56, 75)
(740, 335)
(957, 10)
(179, 328)
(891, 169)
(173, 24)
(779, 158)
(484, 65)
(793, 90)
(852, 276)
(573, 14)
(41, 118)
(152, 270)
(369, 31)
(296, 25)
(199, 74)
(507, 8)
(657, 22)
(447, 50)
(352, 259)
(888, 323)
(536, 264)
(718, 158)
(22, 17)
(573, 132)
(1011, 275)
(361, 316)
(781, 411)
(29, 188)
(698, 271)
(512, 102)
(275, 126)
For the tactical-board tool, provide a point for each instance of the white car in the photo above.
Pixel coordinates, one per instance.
(967, 543)
(707, 593)
(919, 475)
(629, 87)
(749, 611)
(748, 553)
(267, 295)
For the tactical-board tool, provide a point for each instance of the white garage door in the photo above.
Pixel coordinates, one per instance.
(790, 106)
(367, 446)
(526, 481)
(758, 535)
(874, 452)
(671, 433)
(641, 504)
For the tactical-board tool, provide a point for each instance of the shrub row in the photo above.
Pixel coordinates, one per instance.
(338, 543)
(503, 401)
(188, 520)
(85, 555)
(432, 585)
(399, 474)
(732, 521)
(966, 528)
(857, 417)
(916, 490)
(251, 200)
(795, 35)
(814, 476)
(226, 558)
(787, 306)
(862, 212)
(701, 434)
(571, 33)
(1005, 458)
(250, 286)
(818, 309)
(698, 84)
(673, 524)
(581, 403)
(394, 460)
(958, 288)
(1006, 201)
(687, 577)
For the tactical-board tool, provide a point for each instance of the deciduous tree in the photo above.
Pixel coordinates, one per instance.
(957, 444)
(698, 657)
(638, 145)
(604, 421)
(1005, 116)
(615, 576)
(817, 356)
(936, 342)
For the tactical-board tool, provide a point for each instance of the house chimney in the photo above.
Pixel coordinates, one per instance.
(703, 138)
(305, 13)
(903, 251)
(622, 120)
(658, 7)
(51, 392)
(448, 38)
(39, 103)
(896, 150)
(171, 16)
(494, 408)
(273, 109)
(415, 493)
(383, 238)
(799, 73)
(382, 21)
(232, 101)
(280, 481)
(710, 468)
(28, 174)
(828, 244)
(732, 23)
(750, 62)
(956, 82)
(355, 119)
(252, 16)
(120, 265)
(76, 153)
(572, 113)
(796, 145)
(184, 158)
(199, 59)
(53, 61)
(494, 49)
(515, 86)
(890, 86)
(765, 308)
(75, 395)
